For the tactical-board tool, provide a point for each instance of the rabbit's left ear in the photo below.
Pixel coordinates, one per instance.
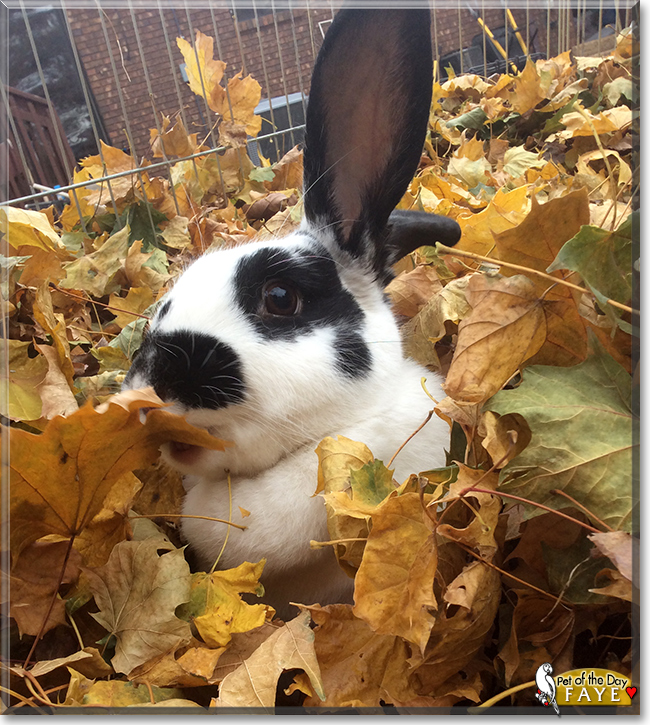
(366, 124)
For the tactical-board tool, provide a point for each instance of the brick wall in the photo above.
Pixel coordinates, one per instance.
(133, 82)
(274, 65)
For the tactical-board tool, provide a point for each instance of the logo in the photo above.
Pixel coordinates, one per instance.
(546, 687)
(582, 687)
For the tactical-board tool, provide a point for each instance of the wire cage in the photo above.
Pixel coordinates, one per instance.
(83, 74)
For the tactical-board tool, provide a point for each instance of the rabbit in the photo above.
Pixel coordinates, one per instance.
(275, 345)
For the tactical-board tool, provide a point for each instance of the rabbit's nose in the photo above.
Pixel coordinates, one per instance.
(193, 369)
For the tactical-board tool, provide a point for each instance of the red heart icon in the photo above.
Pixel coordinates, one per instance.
(631, 691)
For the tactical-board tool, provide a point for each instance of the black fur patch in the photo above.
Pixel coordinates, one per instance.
(325, 302)
(190, 368)
(164, 309)
(352, 354)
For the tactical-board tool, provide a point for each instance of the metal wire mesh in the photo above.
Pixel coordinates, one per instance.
(110, 71)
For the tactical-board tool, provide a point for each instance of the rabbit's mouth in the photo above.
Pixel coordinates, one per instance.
(184, 453)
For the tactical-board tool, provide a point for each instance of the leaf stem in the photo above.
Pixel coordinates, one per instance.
(225, 541)
(512, 442)
(557, 492)
(188, 516)
(76, 630)
(96, 302)
(471, 552)
(32, 683)
(531, 503)
(23, 700)
(320, 544)
(611, 179)
(506, 693)
(426, 420)
(52, 600)
(441, 248)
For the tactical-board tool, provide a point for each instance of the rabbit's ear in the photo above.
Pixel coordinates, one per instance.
(366, 124)
(408, 230)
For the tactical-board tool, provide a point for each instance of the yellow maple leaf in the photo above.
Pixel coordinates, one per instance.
(59, 479)
(204, 73)
(30, 228)
(217, 608)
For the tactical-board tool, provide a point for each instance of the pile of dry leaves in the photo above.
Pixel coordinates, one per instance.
(467, 578)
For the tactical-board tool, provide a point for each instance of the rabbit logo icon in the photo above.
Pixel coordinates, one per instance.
(546, 687)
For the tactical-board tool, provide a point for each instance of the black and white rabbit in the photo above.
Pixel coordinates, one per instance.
(275, 345)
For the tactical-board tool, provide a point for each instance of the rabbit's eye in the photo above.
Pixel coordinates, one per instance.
(280, 298)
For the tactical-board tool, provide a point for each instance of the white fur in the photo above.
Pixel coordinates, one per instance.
(295, 390)
(296, 396)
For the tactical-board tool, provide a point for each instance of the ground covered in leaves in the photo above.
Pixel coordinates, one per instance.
(467, 578)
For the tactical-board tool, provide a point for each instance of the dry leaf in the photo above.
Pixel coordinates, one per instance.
(360, 668)
(59, 479)
(393, 590)
(254, 683)
(505, 328)
(35, 579)
(216, 607)
(137, 592)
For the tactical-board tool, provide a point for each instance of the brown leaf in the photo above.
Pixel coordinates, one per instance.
(44, 667)
(466, 415)
(504, 437)
(95, 272)
(505, 328)
(254, 683)
(187, 667)
(35, 578)
(410, 291)
(55, 325)
(618, 546)
(162, 491)
(42, 265)
(59, 479)
(288, 172)
(140, 275)
(360, 668)
(266, 207)
(137, 592)
(524, 92)
(137, 301)
(238, 105)
(618, 586)
(546, 529)
(241, 647)
(394, 585)
(480, 532)
(535, 243)
(174, 141)
(110, 525)
(93, 666)
(428, 325)
(505, 211)
(539, 632)
(203, 72)
(460, 631)
(55, 393)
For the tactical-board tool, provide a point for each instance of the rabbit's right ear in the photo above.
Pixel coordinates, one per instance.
(366, 124)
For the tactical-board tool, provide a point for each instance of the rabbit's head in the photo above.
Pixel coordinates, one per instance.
(274, 345)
